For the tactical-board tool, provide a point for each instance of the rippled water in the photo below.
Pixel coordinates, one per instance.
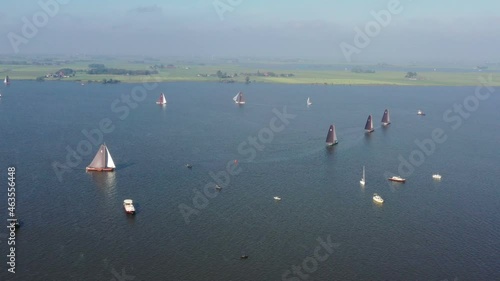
(76, 229)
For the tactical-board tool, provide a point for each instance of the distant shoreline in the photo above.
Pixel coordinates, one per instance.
(494, 84)
(120, 71)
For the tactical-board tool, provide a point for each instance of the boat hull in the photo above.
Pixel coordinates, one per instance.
(331, 143)
(369, 131)
(91, 169)
(397, 180)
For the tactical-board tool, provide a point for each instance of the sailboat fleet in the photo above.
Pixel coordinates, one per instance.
(103, 162)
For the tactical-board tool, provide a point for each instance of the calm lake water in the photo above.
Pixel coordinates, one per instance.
(75, 227)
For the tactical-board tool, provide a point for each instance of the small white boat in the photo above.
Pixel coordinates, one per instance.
(128, 204)
(436, 176)
(309, 101)
(397, 179)
(377, 198)
(363, 181)
(277, 198)
(420, 112)
(218, 187)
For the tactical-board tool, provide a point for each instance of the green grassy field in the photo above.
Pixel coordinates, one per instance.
(190, 71)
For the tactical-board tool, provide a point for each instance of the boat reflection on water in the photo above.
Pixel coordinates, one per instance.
(106, 182)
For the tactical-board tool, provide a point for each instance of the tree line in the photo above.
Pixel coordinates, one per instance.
(102, 69)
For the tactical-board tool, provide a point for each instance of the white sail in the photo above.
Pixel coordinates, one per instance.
(309, 101)
(162, 100)
(236, 97)
(110, 163)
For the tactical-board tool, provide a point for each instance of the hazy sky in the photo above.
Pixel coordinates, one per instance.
(423, 30)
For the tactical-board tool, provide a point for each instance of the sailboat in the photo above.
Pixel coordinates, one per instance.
(362, 181)
(162, 100)
(103, 162)
(369, 124)
(386, 120)
(6, 81)
(331, 137)
(239, 99)
(309, 101)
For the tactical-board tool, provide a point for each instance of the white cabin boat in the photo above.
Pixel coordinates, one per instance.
(128, 205)
(397, 179)
(436, 176)
(377, 198)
